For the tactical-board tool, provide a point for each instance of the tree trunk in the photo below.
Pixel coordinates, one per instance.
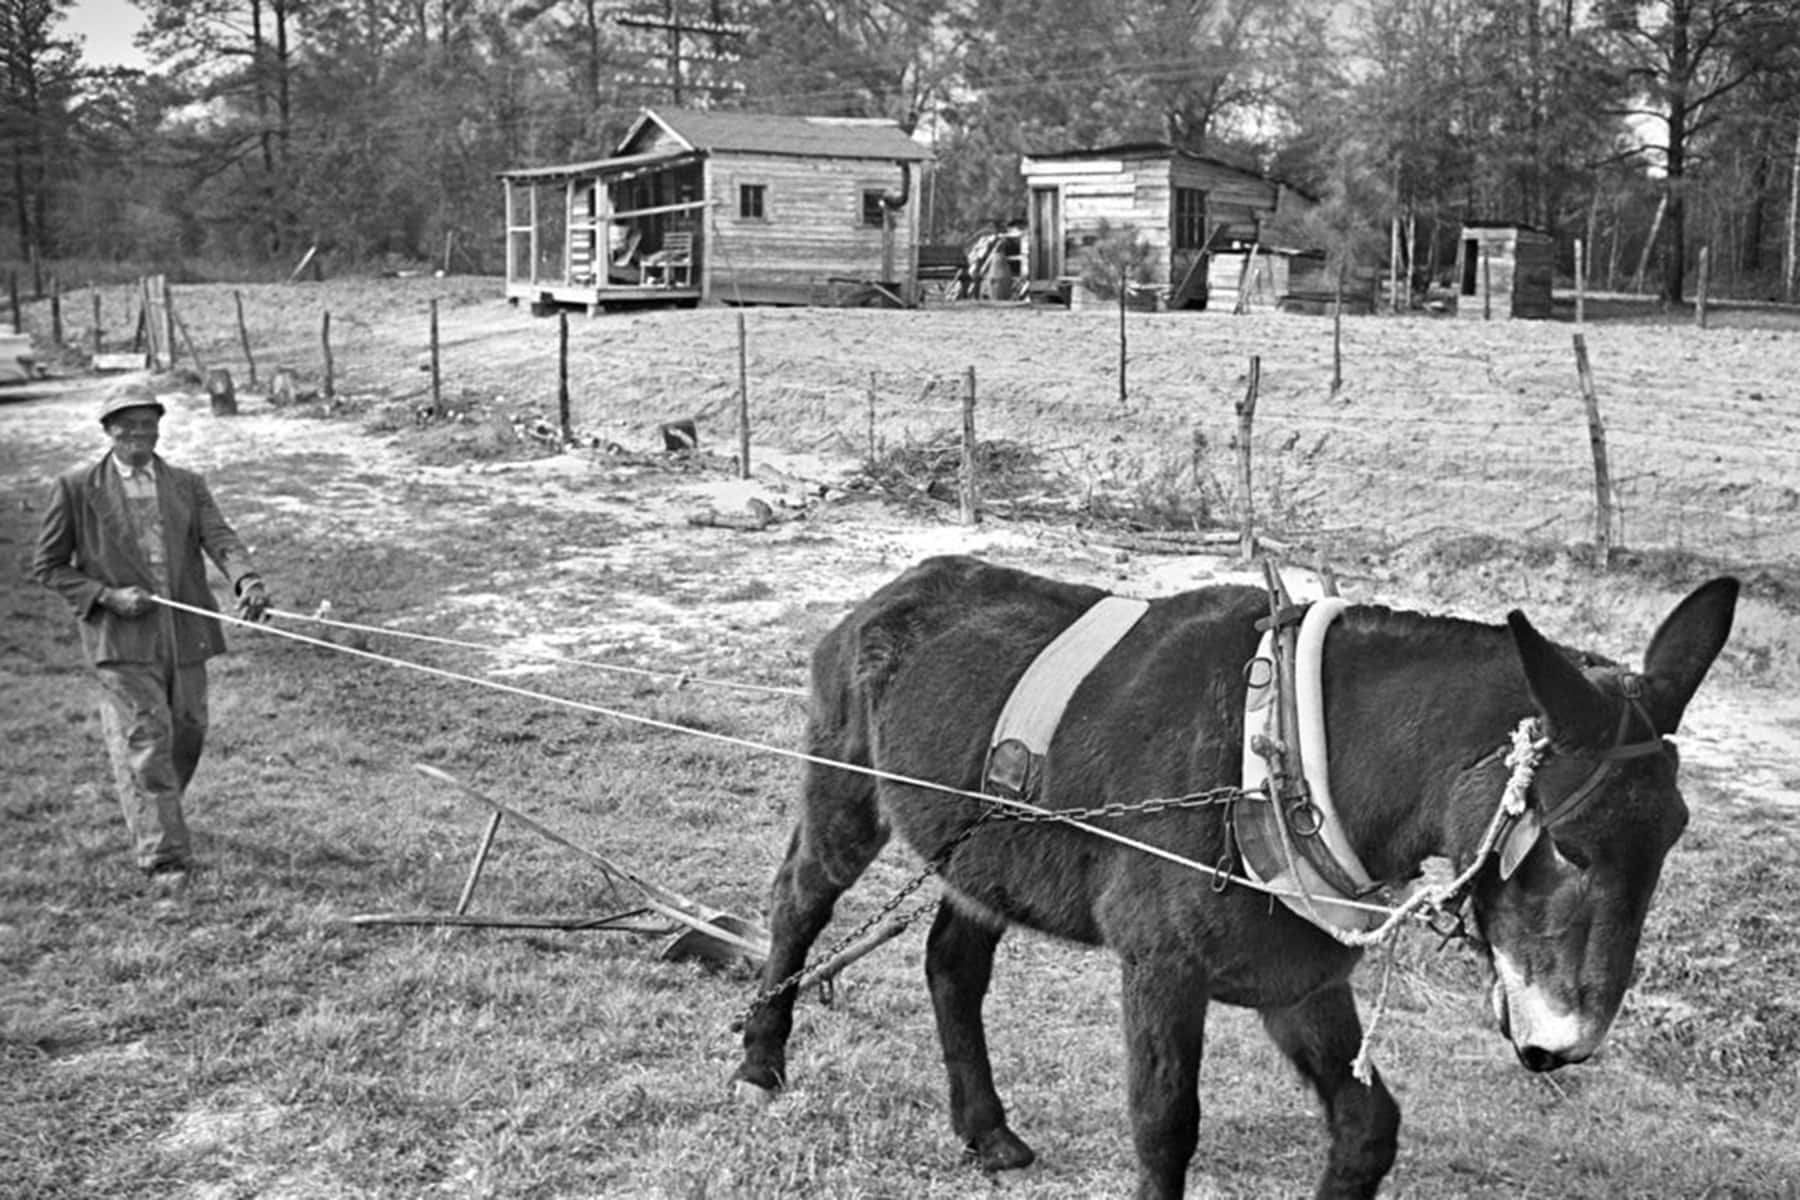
(1792, 259)
(1756, 215)
(1656, 222)
(1681, 71)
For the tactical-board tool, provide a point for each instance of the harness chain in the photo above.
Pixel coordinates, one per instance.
(934, 866)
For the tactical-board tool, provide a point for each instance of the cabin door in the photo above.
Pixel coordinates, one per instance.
(1046, 265)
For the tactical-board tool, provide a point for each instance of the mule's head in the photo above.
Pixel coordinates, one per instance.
(1562, 909)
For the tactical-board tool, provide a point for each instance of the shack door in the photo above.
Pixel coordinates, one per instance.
(1046, 235)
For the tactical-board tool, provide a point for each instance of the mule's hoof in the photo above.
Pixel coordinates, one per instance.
(749, 1095)
(1000, 1150)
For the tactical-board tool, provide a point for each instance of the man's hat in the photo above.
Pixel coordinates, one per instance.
(131, 393)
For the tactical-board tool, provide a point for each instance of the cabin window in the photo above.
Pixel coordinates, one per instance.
(751, 197)
(1190, 218)
(874, 212)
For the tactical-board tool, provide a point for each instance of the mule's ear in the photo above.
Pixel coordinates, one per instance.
(1578, 712)
(1684, 647)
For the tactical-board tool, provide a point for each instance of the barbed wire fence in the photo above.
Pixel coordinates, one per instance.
(1444, 429)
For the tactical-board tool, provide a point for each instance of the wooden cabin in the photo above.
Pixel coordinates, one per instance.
(1187, 207)
(724, 207)
(1503, 271)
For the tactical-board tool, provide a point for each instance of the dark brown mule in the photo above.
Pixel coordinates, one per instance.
(912, 682)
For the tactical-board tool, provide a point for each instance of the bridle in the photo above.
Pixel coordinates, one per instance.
(1519, 823)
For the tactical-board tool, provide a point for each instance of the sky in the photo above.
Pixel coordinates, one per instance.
(106, 28)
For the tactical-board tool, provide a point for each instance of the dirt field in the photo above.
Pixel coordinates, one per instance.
(1452, 472)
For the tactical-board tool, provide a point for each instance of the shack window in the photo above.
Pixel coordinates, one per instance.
(750, 200)
(1190, 218)
(874, 212)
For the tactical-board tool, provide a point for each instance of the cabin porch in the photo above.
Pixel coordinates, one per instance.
(624, 230)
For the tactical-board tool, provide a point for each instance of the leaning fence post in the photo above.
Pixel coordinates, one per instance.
(970, 492)
(437, 387)
(1246, 414)
(743, 400)
(325, 345)
(244, 335)
(1597, 439)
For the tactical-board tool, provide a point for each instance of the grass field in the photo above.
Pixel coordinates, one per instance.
(252, 1041)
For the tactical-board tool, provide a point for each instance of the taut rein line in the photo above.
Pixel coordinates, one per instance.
(1421, 906)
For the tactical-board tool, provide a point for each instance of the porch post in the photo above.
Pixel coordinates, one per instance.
(534, 234)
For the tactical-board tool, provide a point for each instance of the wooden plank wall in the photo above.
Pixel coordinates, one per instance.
(811, 228)
(1141, 192)
(1120, 192)
(1517, 274)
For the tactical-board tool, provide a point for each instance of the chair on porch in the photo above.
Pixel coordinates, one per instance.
(673, 265)
(624, 264)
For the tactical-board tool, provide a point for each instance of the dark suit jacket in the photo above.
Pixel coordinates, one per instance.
(87, 544)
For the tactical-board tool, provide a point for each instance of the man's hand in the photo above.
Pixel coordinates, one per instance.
(253, 598)
(126, 601)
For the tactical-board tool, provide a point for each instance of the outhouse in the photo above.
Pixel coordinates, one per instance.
(1503, 271)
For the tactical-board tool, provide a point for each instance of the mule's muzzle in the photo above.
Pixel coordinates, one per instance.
(1539, 1060)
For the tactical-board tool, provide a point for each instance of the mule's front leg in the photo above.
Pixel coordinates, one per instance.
(1165, 1033)
(1321, 1036)
(835, 842)
(959, 962)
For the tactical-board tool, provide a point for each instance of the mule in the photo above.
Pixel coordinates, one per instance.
(912, 681)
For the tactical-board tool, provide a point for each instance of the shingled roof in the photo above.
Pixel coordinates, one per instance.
(769, 133)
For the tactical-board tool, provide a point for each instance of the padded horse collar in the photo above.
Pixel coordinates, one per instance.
(1291, 838)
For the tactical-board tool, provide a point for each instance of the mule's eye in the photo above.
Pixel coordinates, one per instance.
(1574, 855)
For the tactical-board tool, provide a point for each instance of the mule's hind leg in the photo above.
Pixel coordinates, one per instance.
(1321, 1036)
(959, 962)
(839, 834)
(1165, 1003)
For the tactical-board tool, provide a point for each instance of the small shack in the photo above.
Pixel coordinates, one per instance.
(1503, 271)
(725, 207)
(1187, 206)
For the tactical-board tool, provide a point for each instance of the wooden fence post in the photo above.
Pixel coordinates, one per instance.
(168, 296)
(99, 340)
(1123, 285)
(970, 492)
(1337, 334)
(244, 335)
(175, 322)
(1596, 439)
(871, 418)
(1487, 285)
(12, 290)
(743, 399)
(1700, 287)
(56, 324)
(563, 425)
(437, 385)
(1246, 415)
(325, 346)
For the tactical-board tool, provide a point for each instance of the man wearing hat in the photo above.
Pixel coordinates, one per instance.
(118, 535)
